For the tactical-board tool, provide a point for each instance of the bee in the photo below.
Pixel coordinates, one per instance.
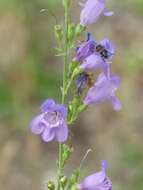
(105, 54)
(84, 80)
(91, 80)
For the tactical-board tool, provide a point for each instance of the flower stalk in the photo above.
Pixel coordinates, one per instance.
(53, 121)
(66, 4)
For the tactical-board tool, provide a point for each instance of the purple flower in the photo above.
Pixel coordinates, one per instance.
(94, 62)
(85, 49)
(97, 181)
(104, 90)
(50, 124)
(91, 11)
(103, 53)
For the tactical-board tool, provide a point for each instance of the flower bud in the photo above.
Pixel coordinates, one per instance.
(77, 71)
(58, 32)
(63, 181)
(51, 185)
(71, 32)
(80, 29)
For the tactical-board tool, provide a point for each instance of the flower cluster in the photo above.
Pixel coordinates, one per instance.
(93, 56)
(90, 56)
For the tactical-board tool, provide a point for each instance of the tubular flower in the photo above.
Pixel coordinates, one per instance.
(50, 124)
(97, 181)
(104, 90)
(91, 11)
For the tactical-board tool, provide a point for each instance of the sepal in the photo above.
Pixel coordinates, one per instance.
(51, 185)
(79, 30)
(66, 153)
(58, 32)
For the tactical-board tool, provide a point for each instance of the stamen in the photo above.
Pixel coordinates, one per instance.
(84, 158)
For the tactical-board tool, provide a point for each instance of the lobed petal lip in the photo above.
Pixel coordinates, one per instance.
(48, 134)
(61, 109)
(61, 134)
(47, 105)
(116, 103)
(36, 125)
(85, 50)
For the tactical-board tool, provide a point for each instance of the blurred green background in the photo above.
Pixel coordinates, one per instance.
(29, 73)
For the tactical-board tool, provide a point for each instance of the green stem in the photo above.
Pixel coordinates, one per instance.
(60, 169)
(66, 53)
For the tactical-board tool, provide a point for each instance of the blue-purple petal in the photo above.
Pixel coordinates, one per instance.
(91, 11)
(104, 90)
(62, 109)
(93, 180)
(36, 125)
(85, 50)
(97, 181)
(47, 105)
(48, 134)
(104, 165)
(108, 13)
(116, 103)
(62, 133)
(92, 62)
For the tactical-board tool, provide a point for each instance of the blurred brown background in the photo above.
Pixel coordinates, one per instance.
(29, 73)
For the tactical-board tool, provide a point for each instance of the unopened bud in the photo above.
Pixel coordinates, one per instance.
(51, 185)
(77, 71)
(58, 32)
(71, 32)
(80, 29)
(63, 181)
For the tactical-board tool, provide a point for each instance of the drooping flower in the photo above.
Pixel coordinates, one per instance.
(92, 10)
(50, 124)
(97, 181)
(85, 49)
(104, 90)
